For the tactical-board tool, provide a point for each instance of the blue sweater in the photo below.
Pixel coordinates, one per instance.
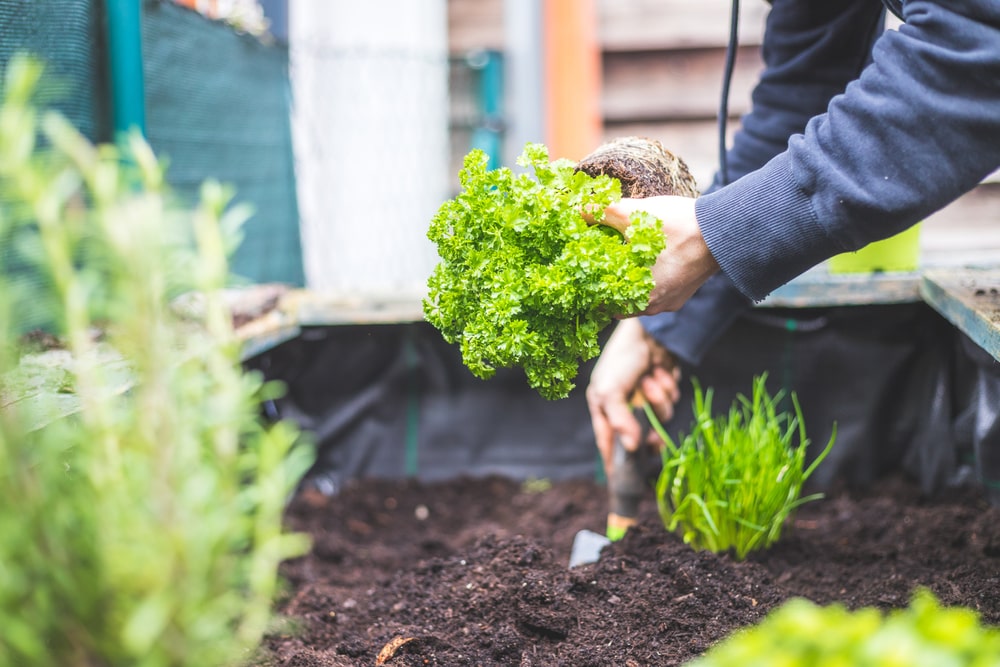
(854, 135)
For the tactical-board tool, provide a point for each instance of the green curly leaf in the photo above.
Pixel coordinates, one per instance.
(523, 280)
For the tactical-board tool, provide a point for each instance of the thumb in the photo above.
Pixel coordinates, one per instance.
(617, 215)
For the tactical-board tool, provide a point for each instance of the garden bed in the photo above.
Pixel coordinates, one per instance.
(475, 572)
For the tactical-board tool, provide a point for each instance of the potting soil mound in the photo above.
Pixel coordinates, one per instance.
(475, 572)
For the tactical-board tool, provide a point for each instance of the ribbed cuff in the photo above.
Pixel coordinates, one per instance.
(762, 230)
(690, 332)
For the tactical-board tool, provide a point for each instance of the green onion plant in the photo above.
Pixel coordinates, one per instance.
(731, 482)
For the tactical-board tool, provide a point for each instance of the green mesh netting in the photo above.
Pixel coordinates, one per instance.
(65, 35)
(217, 106)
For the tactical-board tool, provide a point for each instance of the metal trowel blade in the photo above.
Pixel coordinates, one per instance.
(587, 546)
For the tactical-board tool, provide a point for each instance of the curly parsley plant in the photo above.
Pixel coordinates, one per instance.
(523, 280)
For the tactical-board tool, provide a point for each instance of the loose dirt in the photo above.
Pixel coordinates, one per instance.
(475, 572)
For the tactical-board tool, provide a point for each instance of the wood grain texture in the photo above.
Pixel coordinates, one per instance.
(475, 24)
(818, 288)
(970, 300)
(623, 25)
(636, 25)
(675, 84)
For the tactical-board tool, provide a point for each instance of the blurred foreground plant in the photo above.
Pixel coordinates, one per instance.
(926, 634)
(146, 527)
(734, 480)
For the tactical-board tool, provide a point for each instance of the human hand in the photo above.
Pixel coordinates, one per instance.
(686, 262)
(632, 367)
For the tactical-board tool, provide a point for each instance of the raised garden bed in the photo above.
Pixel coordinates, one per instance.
(475, 572)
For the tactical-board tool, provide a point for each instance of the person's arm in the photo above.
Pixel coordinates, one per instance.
(919, 128)
(811, 51)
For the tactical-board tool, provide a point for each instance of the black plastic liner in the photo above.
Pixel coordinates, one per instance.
(396, 401)
(907, 391)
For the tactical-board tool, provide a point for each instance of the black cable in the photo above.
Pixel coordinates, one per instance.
(727, 78)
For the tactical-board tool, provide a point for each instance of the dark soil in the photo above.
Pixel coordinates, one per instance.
(475, 572)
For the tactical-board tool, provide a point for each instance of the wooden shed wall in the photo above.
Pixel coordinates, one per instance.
(662, 76)
(663, 64)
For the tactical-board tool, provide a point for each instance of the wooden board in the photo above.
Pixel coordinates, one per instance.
(475, 24)
(675, 85)
(324, 309)
(637, 25)
(966, 232)
(38, 388)
(969, 299)
(818, 288)
(267, 332)
(624, 25)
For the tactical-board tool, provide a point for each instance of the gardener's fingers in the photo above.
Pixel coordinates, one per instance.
(661, 384)
(617, 215)
(623, 361)
(603, 436)
(662, 391)
(612, 417)
(591, 213)
(686, 262)
(660, 387)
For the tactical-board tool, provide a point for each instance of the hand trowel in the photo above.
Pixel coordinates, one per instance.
(626, 486)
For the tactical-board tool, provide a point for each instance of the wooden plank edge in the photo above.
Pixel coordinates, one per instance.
(310, 308)
(301, 308)
(943, 292)
(818, 288)
(266, 333)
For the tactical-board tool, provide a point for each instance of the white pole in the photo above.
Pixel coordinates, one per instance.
(370, 125)
(523, 78)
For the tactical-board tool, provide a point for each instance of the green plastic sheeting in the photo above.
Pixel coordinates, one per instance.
(217, 106)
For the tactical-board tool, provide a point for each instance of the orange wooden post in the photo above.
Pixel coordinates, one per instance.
(209, 8)
(573, 124)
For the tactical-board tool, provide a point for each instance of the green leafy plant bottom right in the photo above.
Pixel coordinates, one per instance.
(733, 481)
(800, 632)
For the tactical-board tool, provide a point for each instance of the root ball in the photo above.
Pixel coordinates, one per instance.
(643, 166)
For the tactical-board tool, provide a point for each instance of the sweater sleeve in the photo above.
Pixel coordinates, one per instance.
(811, 51)
(919, 128)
